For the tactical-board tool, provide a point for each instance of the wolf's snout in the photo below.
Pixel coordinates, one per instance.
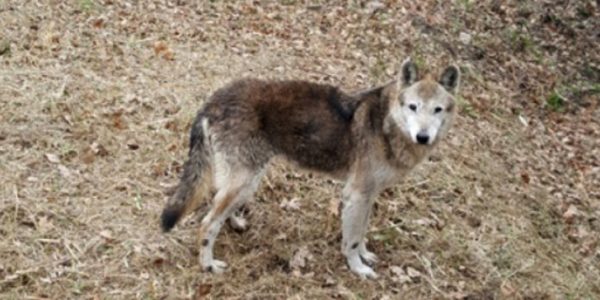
(422, 138)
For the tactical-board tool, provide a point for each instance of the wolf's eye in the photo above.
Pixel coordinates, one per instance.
(437, 110)
(413, 107)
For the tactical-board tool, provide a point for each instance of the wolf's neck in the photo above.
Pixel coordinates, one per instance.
(400, 151)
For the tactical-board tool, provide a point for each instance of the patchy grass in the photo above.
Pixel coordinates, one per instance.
(97, 99)
(555, 102)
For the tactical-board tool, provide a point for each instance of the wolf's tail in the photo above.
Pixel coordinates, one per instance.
(196, 181)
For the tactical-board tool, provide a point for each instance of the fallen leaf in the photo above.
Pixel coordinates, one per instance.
(107, 235)
(160, 47)
(202, 290)
(64, 171)
(588, 246)
(98, 149)
(44, 224)
(292, 204)
(168, 55)
(299, 260)
(571, 214)
(473, 221)
(98, 23)
(335, 206)
(118, 122)
(412, 273)
(577, 234)
(525, 177)
(374, 6)
(399, 275)
(465, 38)
(158, 262)
(458, 295)
(53, 158)
(88, 156)
(507, 289)
(425, 222)
(329, 281)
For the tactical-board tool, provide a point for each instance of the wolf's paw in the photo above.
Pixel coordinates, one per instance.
(360, 269)
(367, 256)
(364, 271)
(215, 266)
(238, 223)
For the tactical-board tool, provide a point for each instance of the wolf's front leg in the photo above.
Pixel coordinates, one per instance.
(355, 222)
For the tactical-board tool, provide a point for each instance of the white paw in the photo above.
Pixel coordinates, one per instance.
(368, 257)
(214, 266)
(364, 272)
(238, 223)
(360, 269)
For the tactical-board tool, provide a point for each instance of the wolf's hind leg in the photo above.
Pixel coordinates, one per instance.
(235, 185)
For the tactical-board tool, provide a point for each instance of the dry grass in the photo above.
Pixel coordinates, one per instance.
(97, 97)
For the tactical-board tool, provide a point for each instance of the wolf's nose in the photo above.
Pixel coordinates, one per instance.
(422, 138)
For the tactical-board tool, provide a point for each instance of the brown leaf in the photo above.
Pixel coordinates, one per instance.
(525, 177)
(172, 125)
(88, 156)
(98, 23)
(571, 214)
(158, 262)
(507, 289)
(118, 122)
(160, 47)
(168, 55)
(473, 221)
(202, 290)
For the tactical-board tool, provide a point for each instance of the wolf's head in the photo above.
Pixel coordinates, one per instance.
(423, 108)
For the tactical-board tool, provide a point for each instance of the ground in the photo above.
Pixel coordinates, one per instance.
(97, 97)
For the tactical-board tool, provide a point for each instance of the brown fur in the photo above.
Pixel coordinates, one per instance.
(308, 123)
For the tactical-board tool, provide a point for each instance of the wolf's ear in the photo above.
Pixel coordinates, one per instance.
(450, 79)
(408, 73)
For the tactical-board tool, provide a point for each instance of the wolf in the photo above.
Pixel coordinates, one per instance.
(370, 139)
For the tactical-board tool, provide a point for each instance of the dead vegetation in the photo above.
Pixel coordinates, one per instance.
(96, 100)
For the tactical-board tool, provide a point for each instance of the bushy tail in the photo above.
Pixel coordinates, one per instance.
(195, 182)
